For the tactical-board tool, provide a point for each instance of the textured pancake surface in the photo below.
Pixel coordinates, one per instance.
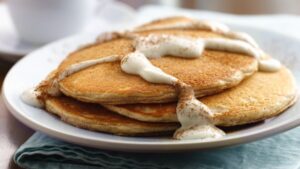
(106, 83)
(95, 117)
(259, 97)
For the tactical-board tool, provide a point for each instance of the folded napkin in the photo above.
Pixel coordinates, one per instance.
(278, 152)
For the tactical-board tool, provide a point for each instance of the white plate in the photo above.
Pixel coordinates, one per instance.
(34, 67)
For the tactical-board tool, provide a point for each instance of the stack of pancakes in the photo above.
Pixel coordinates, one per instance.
(106, 99)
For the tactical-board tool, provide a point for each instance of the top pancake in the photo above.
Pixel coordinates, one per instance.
(106, 83)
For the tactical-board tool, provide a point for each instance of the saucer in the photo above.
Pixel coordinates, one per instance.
(106, 18)
(11, 47)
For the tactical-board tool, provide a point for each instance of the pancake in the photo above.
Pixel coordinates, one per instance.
(106, 83)
(259, 97)
(95, 117)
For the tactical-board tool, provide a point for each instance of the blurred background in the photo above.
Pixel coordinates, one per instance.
(228, 6)
(56, 19)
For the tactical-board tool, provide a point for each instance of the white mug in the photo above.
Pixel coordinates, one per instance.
(42, 21)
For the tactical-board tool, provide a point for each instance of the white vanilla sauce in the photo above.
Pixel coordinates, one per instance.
(158, 46)
(54, 89)
(85, 64)
(194, 116)
(29, 97)
(231, 46)
(241, 36)
(269, 65)
(204, 25)
(137, 63)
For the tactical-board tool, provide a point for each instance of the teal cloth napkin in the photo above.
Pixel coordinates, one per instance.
(277, 152)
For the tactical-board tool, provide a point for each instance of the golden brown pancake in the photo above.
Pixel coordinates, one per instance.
(259, 97)
(106, 83)
(95, 117)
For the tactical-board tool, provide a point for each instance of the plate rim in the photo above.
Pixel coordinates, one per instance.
(126, 145)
